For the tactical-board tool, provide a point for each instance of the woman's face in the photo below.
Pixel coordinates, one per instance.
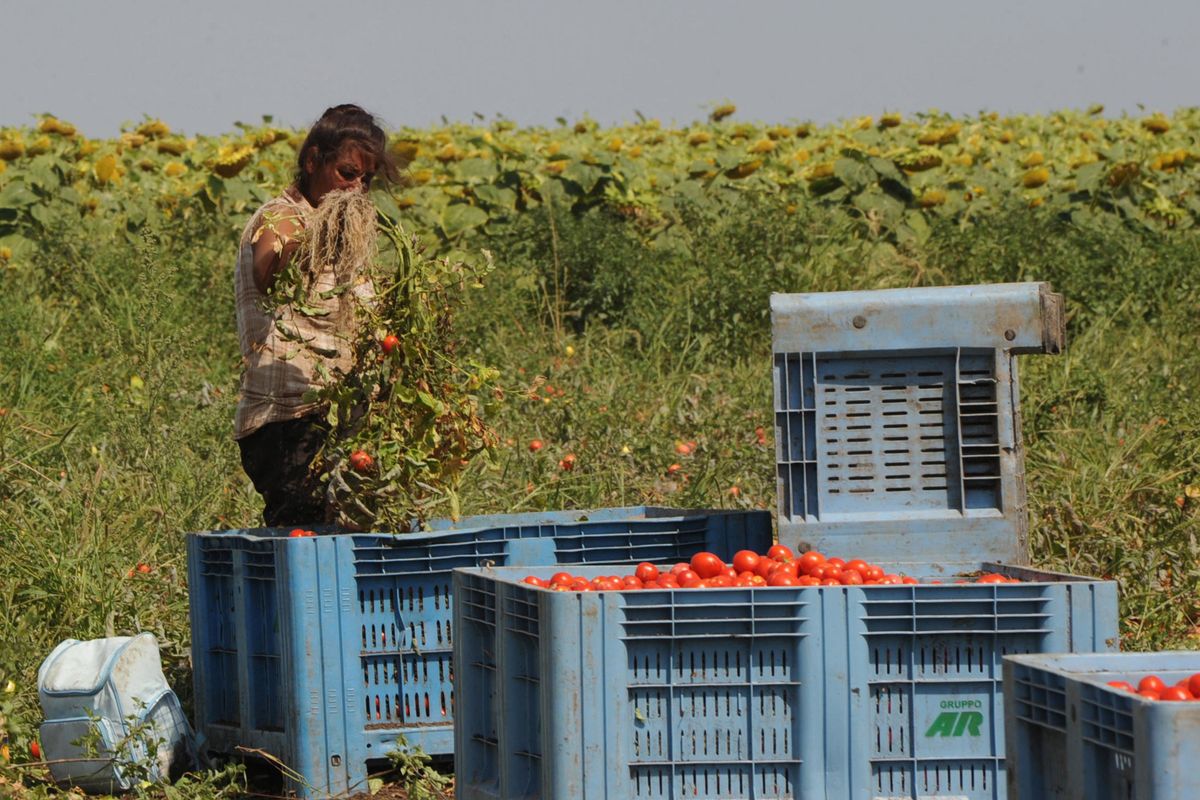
(350, 168)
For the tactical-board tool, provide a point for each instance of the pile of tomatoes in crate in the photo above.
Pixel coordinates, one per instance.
(779, 566)
(1155, 688)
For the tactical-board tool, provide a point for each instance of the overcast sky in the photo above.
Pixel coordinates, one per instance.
(201, 66)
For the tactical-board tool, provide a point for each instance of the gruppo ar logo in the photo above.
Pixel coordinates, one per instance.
(957, 723)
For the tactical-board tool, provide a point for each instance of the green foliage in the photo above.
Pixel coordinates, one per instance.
(415, 775)
(416, 412)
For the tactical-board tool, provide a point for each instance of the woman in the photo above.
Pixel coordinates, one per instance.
(284, 349)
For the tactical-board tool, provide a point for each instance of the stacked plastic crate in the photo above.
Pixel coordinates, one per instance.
(321, 651)
(898, 441)
(1073, 735)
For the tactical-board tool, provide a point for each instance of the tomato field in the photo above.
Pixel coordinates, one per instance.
(623, 305)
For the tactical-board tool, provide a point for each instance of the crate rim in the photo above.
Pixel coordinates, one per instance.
(481, 522)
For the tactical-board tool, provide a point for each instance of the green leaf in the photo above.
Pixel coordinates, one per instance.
(16, 195)
(1088, 176)
(854, 174)
(886, 169)
(459, 217)
(481, 168)
(430, 402)
(495, 196)
(42, 174)
(585, 175)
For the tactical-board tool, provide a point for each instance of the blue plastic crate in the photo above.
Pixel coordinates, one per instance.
(1072, 736)
(322, 650)
(897, 419)
(807, 692)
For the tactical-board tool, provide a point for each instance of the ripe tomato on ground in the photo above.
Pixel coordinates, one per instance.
(390, 343)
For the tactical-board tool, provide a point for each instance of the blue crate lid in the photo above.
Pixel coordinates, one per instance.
(1014, 317)
(897, 419)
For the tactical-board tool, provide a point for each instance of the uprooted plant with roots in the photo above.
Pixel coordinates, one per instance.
(406, 414)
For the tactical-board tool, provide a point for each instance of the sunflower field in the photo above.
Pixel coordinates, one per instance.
(625, 313)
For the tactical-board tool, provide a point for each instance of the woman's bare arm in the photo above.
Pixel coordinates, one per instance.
(273, 248)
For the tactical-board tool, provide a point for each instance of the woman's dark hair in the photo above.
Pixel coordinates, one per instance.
(346, 123)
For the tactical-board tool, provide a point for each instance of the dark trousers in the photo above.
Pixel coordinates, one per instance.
(277, 457)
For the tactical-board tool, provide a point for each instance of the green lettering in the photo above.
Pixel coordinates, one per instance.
(943, 725)
(970, 722)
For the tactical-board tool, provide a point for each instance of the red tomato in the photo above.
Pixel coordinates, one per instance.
(810, 560)
(646, 572)
(680, 567)
(830, 582)
(535, 445)
(533, 580)
(1149, 693)
(744, 580)
(580, 584)
(565, 578)
(856, 564)
(1194, 685)
(707, 565)
(650, 585)
(764, 566)
(1151, 683)
(1124, 686)
(693, 581)
(687, 575)
(360, 461)
(851, 577)
(1174, 693)
(789, 568)
(908, 579)
(745, 560)
(721, 581)
(730, 570)
(390, 343)
(808, 580)
(297, 532)
(631, 582)
(780, 578)
(873, 573)
(991, 577)
(831, 573)
(835, 562)
(668, 582)
(780, 552)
